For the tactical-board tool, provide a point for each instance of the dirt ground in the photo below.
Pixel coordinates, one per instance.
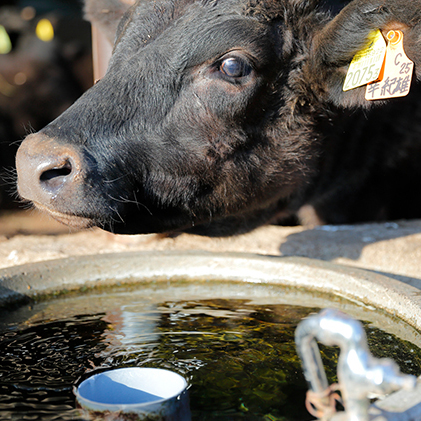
(392, 248)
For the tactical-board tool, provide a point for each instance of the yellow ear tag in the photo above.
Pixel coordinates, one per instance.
(367, 64)
(5, 43)
(44, 30)
(398, 69)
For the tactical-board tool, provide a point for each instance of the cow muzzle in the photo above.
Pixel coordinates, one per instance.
(50, 175)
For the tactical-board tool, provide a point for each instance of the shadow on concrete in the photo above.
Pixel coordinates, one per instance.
(393, 248)
(415, 282)
(329, 242)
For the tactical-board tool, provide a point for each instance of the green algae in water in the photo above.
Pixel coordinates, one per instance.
(239, 358)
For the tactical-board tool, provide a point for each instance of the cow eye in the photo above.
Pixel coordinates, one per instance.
(234, 67)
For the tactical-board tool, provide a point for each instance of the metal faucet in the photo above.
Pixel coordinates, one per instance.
(359, 373)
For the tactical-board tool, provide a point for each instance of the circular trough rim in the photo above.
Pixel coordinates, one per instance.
(28, 281)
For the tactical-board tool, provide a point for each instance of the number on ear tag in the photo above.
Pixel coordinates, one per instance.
(367, 64)
(398, 69)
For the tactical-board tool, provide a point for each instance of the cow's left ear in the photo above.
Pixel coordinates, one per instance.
(106, 15)
(334, 47)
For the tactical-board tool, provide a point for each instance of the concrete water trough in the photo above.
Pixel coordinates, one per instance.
(387, 303)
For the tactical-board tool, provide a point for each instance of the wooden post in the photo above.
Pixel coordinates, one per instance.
(101, 53)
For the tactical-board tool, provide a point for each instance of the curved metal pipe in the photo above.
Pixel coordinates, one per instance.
(359, 373)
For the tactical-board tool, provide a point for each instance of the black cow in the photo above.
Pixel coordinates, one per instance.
(217, 116)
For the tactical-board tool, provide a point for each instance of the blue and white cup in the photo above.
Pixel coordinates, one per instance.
(137, 393)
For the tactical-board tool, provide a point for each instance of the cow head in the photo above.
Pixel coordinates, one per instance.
(204, 121)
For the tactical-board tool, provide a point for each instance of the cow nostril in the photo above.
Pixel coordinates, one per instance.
(55, 172)
(49, 173)
(53, 178)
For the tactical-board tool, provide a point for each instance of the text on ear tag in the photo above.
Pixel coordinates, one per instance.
(397, 75)
(367, 64)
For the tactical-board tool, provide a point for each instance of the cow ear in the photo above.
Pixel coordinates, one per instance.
(334, 46)
(106, 14)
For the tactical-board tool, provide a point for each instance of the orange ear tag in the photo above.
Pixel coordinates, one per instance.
(398, 69)
(367, 64)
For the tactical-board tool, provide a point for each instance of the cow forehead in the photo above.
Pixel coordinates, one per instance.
(195, 30)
